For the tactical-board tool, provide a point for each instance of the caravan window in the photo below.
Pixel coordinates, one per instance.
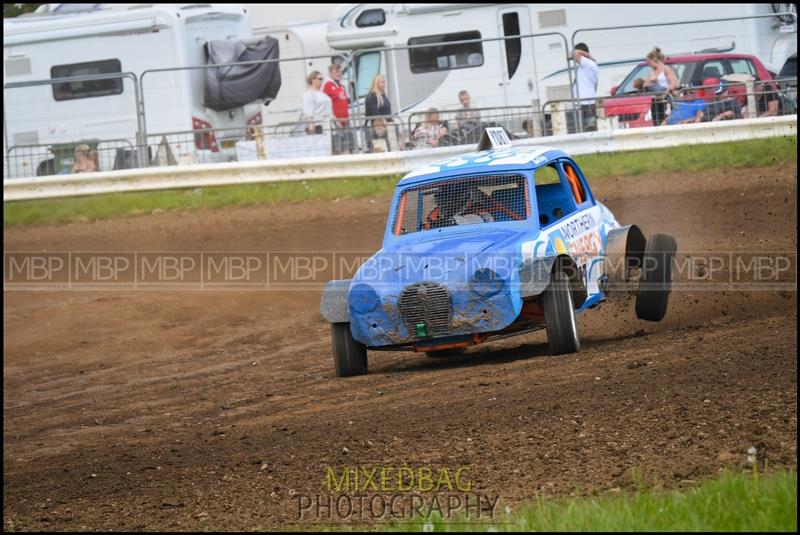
(371, 17)
(93, 88)
(367, 66)
(513, 46)
(441, 56)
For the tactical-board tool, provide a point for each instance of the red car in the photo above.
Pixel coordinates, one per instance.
(633, 108)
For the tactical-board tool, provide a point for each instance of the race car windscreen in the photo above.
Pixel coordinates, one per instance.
(462, 201)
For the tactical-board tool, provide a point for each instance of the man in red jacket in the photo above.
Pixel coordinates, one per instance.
(342, 138)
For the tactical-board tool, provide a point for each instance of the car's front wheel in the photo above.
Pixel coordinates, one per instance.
(559, 315)
(349, 355)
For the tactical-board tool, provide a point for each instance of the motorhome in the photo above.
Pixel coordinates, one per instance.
(70, 42)
(301, 35)
(432, 63)
(307, 42)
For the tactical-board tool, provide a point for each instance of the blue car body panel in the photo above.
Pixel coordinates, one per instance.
(477, 265)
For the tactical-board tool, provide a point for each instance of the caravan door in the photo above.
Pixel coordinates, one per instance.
(367, 66)
(518, 61)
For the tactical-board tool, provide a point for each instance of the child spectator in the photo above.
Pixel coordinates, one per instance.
(379, 140)
(430, 131)
(467, 117)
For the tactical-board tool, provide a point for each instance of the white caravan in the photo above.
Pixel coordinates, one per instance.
(303, 40)
(296, 40)
(64, 43)
(525, 71)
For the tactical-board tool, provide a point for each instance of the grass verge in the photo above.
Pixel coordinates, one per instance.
(733, 502)
(752, 153)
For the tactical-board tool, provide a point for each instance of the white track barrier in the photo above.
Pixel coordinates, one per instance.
(384, 164)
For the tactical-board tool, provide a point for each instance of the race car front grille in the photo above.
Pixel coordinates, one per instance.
(426, 304)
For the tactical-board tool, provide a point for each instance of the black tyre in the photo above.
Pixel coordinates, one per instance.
(559, 315)
(444, 353)
(349, 355)
(656, 281)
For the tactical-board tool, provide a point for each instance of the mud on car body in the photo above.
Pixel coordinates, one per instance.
(488, 244)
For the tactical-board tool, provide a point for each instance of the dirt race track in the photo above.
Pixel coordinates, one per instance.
(215, 409)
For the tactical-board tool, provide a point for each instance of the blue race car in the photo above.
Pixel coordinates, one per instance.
(498, 242)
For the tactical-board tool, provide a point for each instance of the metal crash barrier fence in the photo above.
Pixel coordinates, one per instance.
(279, 129)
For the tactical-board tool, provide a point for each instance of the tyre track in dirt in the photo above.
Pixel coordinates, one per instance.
(175, 400)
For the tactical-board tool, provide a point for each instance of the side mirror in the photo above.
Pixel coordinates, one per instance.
(614, 90)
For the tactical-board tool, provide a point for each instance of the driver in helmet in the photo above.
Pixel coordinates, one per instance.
(458, 204)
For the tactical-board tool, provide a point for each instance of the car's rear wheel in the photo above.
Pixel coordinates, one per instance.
(656, 280)
(349, 355)
(559, 315)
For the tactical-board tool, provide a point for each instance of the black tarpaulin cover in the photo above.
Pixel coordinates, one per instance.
(231, 87)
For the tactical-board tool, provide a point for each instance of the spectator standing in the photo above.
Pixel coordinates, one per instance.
(527, 125)
(467, 117)
(83, 162)
(316, 105)
(376, 103)
(662, 77)
(340, 102)
(662, 80)
(584, 88)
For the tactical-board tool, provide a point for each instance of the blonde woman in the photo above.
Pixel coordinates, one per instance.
(83, 161)
(377, 104)
(317, 108)
(662, 77)
(662, 80)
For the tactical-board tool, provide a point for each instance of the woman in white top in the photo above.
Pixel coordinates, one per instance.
(662, 77)
(662, 80)
(317, 108)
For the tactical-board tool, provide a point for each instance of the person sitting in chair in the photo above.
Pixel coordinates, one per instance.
(83, 161)
(430, 131)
